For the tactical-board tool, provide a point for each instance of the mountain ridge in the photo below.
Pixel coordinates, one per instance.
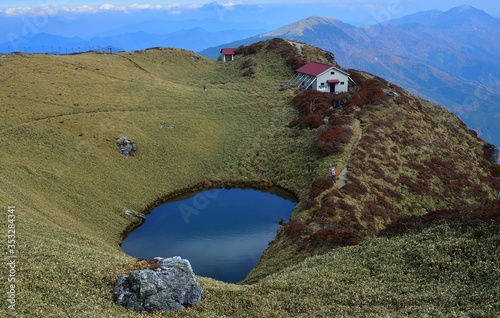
(232, 127)
(440, 19)
(454, 67)
(194, 38)
(297, 28)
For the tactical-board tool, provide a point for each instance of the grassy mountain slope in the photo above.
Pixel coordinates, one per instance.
(63, 172)
(70, 185)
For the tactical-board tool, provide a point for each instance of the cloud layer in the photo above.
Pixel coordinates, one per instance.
(61, 9)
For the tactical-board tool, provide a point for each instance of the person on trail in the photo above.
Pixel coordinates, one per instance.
(333, 172)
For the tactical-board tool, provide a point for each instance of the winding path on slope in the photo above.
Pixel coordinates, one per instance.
(340, 181)
(342, 177)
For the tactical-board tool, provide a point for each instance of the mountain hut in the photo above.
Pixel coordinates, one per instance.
(226, 55)
(321, 77)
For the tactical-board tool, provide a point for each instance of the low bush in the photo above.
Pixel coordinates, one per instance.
(249, 72)
(250, 49)
(333, 140)
(354, 186)
(334, 234)
(495, 170)
(319, 186)
(248, 63)
(295, 62)
(295, 228)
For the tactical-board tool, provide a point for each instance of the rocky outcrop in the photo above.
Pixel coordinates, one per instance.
(169, 285)
(490, 153)
(126, 146)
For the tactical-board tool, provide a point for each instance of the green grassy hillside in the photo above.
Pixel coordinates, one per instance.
(61, 169)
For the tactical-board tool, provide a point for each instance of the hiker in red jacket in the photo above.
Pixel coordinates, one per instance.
(333, 172)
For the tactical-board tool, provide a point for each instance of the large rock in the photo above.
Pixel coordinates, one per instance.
(127, 147)
(491, 153)
(171, 285)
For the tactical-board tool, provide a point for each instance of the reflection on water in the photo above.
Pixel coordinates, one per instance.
(222, 232)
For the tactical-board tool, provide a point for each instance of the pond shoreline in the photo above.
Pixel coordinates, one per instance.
(208, 185)
(222, 231)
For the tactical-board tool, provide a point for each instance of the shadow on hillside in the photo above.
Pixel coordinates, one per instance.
(477, 216)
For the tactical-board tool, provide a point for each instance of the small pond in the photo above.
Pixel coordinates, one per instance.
(222, 232)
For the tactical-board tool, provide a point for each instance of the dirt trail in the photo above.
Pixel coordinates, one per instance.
(340, 181)
(341, 178)
(135, 64)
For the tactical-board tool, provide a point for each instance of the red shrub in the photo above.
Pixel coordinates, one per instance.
(416, 166)
(327, 210)
(275, 44)
(388, 179)
(393, 164)
(405, 180)
(335, 235)
(359, 155)
(249, 72)
(375, 170)
(496, 185)
(346, 207)
(333, 140)
(295, 228)
(251, 49)
(248, 63)
(295, 62)
(340, 121)
(420, 187)
(491, 210)
(330, 148)
(381, 201)
(495, 170)
(294, 123)
(319, 186)
(342, 135)
(306, 102)
(437, 161)
(354, 186)
(312, 121)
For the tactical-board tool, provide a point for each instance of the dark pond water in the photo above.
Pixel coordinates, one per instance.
(222, 232)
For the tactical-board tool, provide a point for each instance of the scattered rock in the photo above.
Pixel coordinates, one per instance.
(284, 86)
(164, 124)
(338, 104)
(136, 215)
(171, 285)
(490, 153)
(330, 57)
(126, 146)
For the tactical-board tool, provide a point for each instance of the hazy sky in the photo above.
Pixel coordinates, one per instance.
(88, 17)
(359, 8)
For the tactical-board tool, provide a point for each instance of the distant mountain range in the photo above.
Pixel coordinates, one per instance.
(451, 58)
(194, 39)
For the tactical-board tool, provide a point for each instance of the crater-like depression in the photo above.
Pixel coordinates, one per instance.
(222, 232)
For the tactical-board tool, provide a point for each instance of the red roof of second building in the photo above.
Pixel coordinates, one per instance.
(314, 68)
(227, 51)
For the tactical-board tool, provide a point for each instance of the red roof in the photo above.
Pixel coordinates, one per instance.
(314, 68)
(227, 51)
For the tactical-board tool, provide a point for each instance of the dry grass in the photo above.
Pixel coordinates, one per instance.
(63, 172)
